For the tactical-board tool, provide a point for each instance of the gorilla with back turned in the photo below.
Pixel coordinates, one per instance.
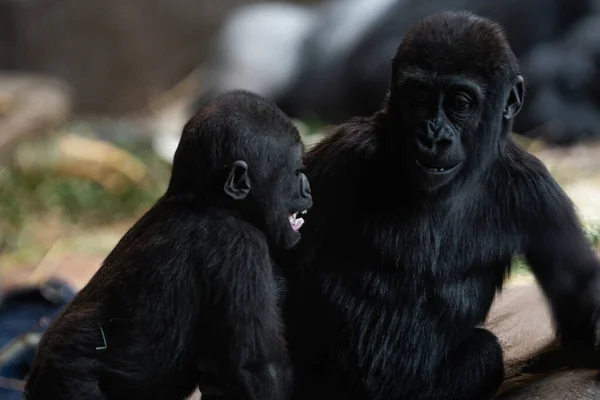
(190, 295)
(419, 211)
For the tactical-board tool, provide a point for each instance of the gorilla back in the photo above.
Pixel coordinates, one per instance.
(419, 210)
(190, 289)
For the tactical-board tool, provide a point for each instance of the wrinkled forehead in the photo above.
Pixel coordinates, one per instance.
(413, 75)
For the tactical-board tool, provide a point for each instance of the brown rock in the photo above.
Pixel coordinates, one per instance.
(521, 319)
(562, 385)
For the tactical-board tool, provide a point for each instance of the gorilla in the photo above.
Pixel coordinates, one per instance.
(190, 293)
(563, 104)
(419, 210)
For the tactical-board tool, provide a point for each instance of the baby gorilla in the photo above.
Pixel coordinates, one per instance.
(192, 286)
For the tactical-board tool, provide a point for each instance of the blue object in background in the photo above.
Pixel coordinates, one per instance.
(25, 313)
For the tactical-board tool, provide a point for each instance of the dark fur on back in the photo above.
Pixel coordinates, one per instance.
(190, 293)
(396, 276)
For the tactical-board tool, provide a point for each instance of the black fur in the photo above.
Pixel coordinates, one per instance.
(191, 286)
(400, 264)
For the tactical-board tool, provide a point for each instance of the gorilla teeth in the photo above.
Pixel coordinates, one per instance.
(431, 168)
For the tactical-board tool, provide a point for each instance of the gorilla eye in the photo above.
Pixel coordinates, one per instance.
(460, 102)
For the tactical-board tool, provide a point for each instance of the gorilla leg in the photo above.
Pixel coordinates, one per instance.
(474, 371)
(74, 390)
(86, 390)
(309, 386)
(259, 381)
(46, 380)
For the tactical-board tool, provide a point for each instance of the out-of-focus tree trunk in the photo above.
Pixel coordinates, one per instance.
(116, 54)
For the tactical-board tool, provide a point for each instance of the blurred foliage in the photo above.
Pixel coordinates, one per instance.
(592, 228)
(519, 266)
(29, 196)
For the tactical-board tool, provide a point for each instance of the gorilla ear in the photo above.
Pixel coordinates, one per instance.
(515, 99)
(237, 185)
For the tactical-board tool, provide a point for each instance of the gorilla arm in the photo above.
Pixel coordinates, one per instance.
(254, 357)
(561, 258)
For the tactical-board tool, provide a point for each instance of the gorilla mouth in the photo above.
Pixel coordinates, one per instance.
(295, 221)
(435, 169)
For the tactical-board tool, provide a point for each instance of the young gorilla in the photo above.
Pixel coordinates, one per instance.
(192, 282)
(418, 213)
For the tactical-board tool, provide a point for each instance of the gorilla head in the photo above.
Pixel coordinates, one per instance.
(448, 115)
(242, 151)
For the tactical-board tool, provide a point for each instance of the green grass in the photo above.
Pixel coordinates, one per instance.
(519, 266)
(592, 229)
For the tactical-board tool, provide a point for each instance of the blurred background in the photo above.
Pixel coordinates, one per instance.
(94, 94)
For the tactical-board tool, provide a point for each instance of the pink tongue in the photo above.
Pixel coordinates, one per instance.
(296, 223)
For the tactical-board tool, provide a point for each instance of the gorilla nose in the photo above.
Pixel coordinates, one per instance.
(429, 143)
(425, 142)
(305, 187)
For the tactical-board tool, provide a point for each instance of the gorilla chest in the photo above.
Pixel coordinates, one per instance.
(446, 269)
(399, 279)
(439, 247)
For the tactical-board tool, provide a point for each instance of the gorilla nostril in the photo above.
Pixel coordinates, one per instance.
(443, 142)
(425, 142)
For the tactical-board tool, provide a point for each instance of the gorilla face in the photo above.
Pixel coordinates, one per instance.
(436, 114)
(449, 117)
(273, 192)
(286, 197)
